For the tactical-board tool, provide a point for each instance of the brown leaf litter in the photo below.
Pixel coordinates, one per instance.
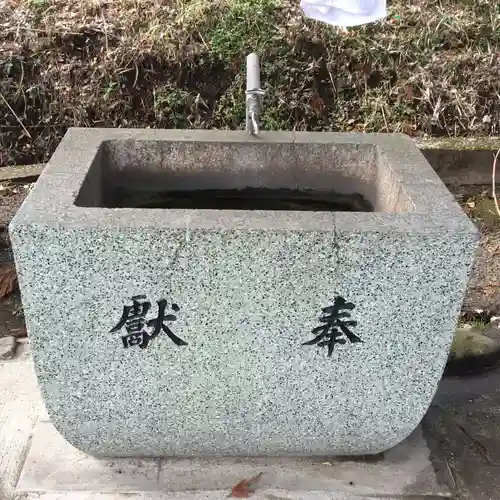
(8, 280)
(245, 487)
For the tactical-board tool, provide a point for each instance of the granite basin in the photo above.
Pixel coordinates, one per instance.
(236, 332)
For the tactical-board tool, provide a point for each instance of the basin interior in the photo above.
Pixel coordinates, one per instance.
(243, 176)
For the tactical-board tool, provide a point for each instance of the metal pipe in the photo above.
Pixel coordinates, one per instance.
(253, 71)
(253, 94)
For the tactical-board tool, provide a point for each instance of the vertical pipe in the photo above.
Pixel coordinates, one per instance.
(251, 97)
(253, 72)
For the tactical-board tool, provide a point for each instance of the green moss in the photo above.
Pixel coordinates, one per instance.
(38, 8)
(172, 105)
(471, 342)
(230, 110)
(245, 26)
(472, 353)
(463, 143)
(484, 210)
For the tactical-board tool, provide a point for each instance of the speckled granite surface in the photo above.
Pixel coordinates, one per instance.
(228, 370)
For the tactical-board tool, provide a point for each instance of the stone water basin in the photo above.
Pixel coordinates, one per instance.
(194, 326)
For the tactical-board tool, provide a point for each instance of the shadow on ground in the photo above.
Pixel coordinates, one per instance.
(462, 428)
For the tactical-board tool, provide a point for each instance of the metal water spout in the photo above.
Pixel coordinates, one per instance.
(253, 95)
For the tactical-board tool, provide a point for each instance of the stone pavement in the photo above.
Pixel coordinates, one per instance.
(36, 463)
(462, 428)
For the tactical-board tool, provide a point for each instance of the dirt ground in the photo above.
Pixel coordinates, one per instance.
(12, 195)
(484, 286)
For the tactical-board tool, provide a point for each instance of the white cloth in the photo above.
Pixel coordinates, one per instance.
(345, 12)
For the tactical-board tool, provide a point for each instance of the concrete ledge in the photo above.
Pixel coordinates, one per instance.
(461, 160)
(20, 172)
(20, 409)
(53, 467)
(209, 495)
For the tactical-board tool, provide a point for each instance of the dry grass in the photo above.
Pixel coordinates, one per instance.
(432, 67)
(8, 280)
